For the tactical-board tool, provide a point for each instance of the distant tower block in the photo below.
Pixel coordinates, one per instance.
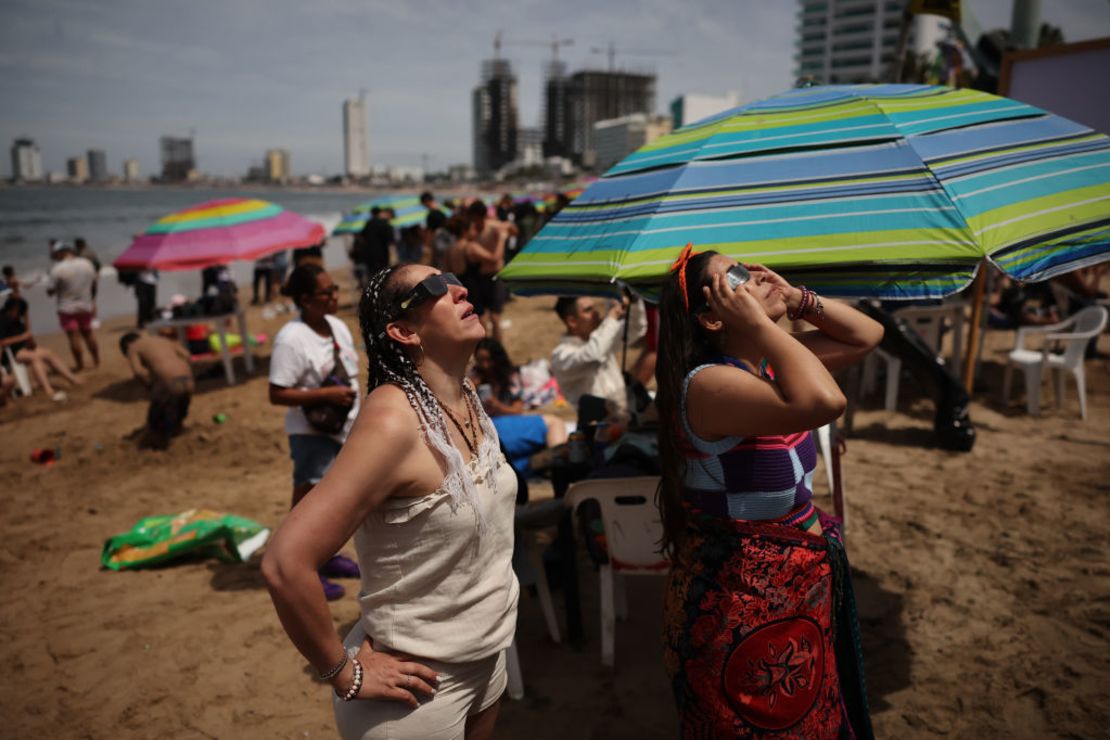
(356, 146)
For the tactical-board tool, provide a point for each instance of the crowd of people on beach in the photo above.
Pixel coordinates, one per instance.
(421, 463)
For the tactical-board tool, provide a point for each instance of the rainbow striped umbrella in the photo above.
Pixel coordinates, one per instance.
(892, 191)
(218, 232)
(408, 211)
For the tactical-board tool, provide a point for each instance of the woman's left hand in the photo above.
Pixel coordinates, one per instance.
(793, 295)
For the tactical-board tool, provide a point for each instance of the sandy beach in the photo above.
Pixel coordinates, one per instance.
(983, 578)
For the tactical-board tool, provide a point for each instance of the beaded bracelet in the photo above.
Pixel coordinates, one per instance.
(334, 670)
(356, 685)
(803, 304)
(810, 302)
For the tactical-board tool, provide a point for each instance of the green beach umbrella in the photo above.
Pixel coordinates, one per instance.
(861, 191)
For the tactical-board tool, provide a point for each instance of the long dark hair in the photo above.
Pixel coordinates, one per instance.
(683, 345)
(502, 366)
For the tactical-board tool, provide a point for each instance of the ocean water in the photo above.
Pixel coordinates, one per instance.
(109, 218)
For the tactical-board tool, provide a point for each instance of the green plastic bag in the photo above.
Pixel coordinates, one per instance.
(198, 532)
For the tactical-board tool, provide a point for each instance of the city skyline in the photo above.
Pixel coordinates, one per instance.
(76, 77)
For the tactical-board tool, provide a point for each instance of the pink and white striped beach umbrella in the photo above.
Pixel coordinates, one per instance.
(218, 232)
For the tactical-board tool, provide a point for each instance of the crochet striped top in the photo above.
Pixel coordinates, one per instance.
(749, 478)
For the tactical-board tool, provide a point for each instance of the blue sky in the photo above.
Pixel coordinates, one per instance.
(249, 75)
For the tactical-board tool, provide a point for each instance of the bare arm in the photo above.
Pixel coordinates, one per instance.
(725, 401)
(25, 336)
(371, 466)
(138, 369)
(339, 395)
(844, 336)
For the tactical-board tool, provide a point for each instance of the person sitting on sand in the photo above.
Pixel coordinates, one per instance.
(585, 361)
(430, 500)
(310, 351)
(162, 365)
(522, 433)
(15, 334)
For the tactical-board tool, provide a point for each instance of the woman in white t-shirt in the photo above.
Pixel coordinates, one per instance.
(304, 357)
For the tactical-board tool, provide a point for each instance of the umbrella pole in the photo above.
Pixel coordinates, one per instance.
(978, 291)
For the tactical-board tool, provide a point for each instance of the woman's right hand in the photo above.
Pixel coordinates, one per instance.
(389, 677)
(738, 309)
(340, 395)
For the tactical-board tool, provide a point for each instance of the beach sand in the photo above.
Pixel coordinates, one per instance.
(983, 579)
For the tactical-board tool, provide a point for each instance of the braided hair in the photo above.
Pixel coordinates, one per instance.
(391, 364)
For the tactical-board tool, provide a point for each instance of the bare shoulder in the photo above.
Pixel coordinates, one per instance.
(721, 378)
(386, 412)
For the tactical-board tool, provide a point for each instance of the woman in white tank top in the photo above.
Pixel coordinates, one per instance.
(423, 488)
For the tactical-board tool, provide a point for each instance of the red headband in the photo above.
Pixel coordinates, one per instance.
(685, 256)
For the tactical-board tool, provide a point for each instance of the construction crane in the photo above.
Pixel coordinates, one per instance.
(612, 51)
(554, 44)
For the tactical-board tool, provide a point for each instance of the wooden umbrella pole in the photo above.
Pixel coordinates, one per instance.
(977, 296)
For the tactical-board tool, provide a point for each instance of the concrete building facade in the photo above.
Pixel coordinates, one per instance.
(616, 138)
(495, 117)
(26, 161)
(851, 41)
(98, 165)
(691, 108)
(356, 144)
(595, 96)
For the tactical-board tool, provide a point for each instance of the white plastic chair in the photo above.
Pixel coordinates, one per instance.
(633, 531)
(1085, 325)
(19, 372)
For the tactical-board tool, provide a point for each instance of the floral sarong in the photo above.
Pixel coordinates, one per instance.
(760, 633)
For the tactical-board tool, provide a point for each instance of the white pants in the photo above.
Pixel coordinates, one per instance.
(464, 690)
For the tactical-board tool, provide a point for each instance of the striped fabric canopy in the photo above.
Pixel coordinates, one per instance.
(892, 191)
(218, 232)
(407, 209)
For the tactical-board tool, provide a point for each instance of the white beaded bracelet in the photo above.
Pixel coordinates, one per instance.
(356, 685)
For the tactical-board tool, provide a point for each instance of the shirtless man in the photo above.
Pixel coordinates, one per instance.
(493, 236)
(162, 365)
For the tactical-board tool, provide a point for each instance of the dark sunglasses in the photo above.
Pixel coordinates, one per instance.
(432, 286)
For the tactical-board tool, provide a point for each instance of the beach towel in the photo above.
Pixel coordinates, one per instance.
(156, 540)
(760, 633)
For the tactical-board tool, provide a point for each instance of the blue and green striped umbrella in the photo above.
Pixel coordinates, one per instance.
(873, 191)
(408, 211)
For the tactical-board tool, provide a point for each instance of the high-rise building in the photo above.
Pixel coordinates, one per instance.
(26, 160)
(556, 119)
(850, 41)
(494, 108)
(356, 146)
(98, 165)
(616, 138)
(687, 109)
(598, 96)
(131, 170)
(178, 160)
(277, 165)
(78, 168)
(479, 125)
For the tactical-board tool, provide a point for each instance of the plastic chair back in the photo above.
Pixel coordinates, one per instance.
(19, 371)
(633, 529)
(1089, 323)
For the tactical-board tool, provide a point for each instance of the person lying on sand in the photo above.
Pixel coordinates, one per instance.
(162, 366)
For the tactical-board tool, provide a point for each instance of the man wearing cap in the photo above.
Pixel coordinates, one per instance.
(72, 281)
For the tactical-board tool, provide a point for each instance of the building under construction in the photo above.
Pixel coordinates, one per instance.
(495, 117)
(178, 160)
(574, 104)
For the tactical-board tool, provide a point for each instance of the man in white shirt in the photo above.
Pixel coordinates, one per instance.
(72, 280)
(585, 362)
